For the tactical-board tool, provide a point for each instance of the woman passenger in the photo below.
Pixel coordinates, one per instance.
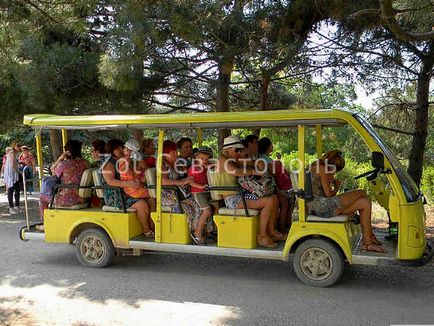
(148, 151)
(113, 197)
(69, 168)
(227, 163)
(265, 148)
(326, 202)
(171, 176)
(185, 155)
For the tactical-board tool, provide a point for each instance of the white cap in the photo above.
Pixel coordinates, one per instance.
(133, 145)
(232, 142)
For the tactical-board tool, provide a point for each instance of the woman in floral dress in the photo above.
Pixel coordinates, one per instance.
(69, 167)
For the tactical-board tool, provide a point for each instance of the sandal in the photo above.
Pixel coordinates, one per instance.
(149, 234)
(266, 242)
(373, 247)
(40, 227)
(279, 236)
(200, 241)
(375, 240)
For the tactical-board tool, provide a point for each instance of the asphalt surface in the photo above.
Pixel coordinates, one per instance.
(43, 284)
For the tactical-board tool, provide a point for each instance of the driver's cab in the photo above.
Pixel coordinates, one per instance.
(395, 196)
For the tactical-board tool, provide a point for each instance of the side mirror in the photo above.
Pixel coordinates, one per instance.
(378, 160)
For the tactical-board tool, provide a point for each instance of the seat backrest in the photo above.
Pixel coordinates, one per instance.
(86, 181)
(308, 194)
(294, 179)
(216, 179)
(97, 180)
(151, 177)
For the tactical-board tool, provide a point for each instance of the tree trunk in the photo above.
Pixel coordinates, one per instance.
(56, 143)
(265, 85)
(222, 101)
(421, 123)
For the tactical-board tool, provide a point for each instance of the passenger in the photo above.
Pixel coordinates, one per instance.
(251, 144)
(326, 203)
(98, 152)
(227, 164)
(265, 148)
(69, 168)
(113, 197)
(198, 171)
(27, 162)
(148, 151)
(171, 176)
(138, 135)
(12, 178)
(98, 156)
(185, 155)
(132, 167)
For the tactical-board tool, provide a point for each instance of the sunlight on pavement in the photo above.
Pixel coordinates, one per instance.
(55, 305)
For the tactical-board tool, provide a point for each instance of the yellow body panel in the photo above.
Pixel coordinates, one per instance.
(236, 231)
(171, 228)
(411, 232)
(340, 233)
(60, 224)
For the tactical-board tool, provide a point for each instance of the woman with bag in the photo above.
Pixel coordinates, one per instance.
(228, 164)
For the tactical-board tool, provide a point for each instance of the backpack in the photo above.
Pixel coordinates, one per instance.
(48, 184)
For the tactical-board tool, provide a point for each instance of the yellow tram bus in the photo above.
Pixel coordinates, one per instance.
(318, 247)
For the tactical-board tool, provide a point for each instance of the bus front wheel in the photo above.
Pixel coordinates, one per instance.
(94, 248)
(318, 262)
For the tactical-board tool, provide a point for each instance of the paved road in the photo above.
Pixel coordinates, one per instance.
(43, 284)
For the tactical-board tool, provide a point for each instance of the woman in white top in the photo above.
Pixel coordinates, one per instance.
(12, 178)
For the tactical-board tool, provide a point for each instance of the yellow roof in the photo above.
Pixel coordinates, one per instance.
(191, 120)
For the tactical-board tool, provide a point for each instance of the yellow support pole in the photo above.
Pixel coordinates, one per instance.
(64, 137)
(318, 133)
(301, 172)
(159, 181)
(39, 157)
(199, 137)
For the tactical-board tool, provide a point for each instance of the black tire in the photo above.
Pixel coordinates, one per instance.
(318, 262)
(94, 248)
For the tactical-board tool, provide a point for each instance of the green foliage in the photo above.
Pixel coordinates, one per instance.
(427, 184)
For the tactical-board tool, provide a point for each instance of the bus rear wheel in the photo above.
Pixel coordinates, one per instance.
(318, 262)
(94, 248)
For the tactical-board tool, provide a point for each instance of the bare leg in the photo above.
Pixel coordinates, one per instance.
(364, 206)
(142, 211)
(203, 218)
(349, 197)
(265, 205)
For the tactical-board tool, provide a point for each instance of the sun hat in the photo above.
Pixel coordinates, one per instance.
(205, 150)
(134, 146)
(232, 142)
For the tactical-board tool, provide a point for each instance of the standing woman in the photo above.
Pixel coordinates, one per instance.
(12, 178)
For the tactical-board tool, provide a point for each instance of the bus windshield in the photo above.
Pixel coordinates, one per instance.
(409, 187)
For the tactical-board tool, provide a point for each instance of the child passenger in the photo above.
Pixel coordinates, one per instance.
(198, 171)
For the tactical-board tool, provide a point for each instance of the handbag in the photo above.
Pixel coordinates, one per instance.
(260, 186)
(2, 181)
(48, 184)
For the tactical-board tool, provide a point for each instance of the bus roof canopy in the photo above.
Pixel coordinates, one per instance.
(244, 119)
